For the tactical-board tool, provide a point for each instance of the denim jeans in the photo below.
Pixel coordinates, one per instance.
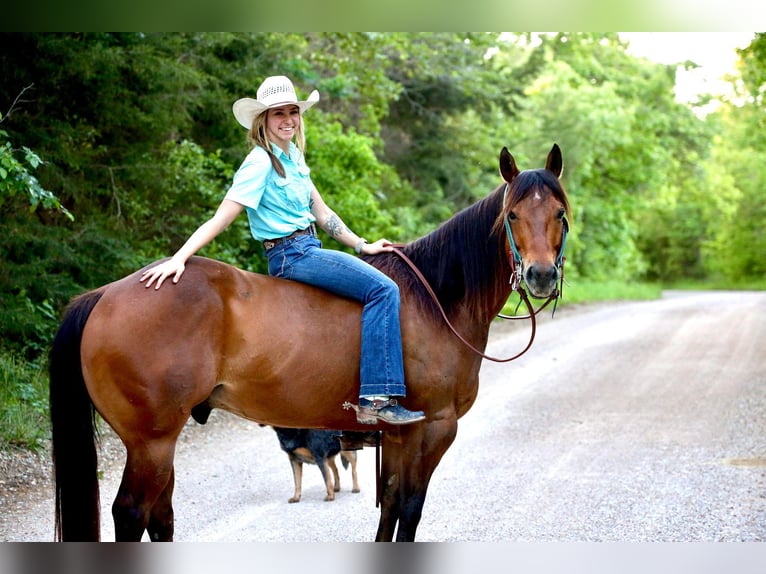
(302, 258)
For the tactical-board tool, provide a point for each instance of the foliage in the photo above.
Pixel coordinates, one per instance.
(351, 178)
(23, 403)
(448, 90)
(16, 178)
(734, 248)
(753, 60)
(630, 152)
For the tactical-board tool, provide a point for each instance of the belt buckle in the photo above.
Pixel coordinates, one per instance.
(269, 244)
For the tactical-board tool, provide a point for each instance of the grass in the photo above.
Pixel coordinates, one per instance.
(23, 404)
(585, 291)
(720, 284)
(581, 291)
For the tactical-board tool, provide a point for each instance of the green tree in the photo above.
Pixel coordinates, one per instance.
(630, 152)
(436, 132)
(736, 247)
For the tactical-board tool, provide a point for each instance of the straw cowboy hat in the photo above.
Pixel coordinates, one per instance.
(275, 91)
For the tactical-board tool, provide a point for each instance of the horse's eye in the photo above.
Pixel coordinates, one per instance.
(562, 213)
(512, 216)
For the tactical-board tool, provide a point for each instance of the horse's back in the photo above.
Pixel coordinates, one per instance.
(149, 355)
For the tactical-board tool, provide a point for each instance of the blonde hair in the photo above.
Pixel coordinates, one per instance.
(259, 136)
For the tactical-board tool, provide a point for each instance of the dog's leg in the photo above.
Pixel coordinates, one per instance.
(329, 470)
(297, 477)
(335, 474)
(350, 456)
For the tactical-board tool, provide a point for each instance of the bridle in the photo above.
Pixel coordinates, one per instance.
(517, 269)
(515, 262)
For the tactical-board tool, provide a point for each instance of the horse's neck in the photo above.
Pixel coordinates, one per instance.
(473, 287)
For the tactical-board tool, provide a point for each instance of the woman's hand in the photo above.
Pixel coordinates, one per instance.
(379, 246)
(205, 233)
(162, 271)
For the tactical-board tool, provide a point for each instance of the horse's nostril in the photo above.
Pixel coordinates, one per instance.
(542, 273)
(541, 279)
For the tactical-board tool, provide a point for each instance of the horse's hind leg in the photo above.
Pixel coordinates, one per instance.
(147, 480)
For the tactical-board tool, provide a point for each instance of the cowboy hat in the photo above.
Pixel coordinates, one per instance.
(275, 91)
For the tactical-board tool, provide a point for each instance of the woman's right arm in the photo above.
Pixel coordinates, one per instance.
(205, 233)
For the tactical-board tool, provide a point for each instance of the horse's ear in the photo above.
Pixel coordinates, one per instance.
(555, 162)
(508, 167)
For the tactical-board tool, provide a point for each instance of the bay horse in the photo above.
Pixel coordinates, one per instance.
(286, 354)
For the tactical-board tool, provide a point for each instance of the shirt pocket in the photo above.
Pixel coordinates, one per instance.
(303, 186)
(293, 192)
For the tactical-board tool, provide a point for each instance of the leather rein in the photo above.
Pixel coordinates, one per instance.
(514, 259)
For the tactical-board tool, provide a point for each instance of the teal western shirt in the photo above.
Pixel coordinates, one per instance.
(276, 206)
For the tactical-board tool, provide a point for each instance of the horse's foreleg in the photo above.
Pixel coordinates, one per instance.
(410, 513)
(409, 461)
(401, 501)
(160, 527)
(146, 478)
(389, 494)
(389, 505)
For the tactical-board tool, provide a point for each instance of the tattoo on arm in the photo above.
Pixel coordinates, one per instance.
(334, 226)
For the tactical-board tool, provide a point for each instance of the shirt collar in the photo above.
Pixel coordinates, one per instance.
(280, 153)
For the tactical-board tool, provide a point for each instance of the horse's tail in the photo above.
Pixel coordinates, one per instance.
(75, 462)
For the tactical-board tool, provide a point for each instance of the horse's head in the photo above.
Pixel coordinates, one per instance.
(534, 213)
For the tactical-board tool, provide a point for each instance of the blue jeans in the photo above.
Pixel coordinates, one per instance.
(302, 258)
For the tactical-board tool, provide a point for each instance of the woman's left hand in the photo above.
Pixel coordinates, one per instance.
(379, 246)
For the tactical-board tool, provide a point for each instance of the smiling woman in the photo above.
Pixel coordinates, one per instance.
(273, 185)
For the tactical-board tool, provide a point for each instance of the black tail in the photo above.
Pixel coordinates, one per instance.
(75, 462)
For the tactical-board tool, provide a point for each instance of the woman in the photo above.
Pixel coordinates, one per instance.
(274, 186)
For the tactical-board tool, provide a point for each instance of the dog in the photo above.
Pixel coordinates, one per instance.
(318, 447)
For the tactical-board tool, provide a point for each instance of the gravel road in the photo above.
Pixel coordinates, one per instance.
(624, 422)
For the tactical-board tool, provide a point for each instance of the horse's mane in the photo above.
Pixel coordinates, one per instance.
(464, 259)
(460, 259)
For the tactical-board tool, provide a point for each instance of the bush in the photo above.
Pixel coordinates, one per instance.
(24, 421)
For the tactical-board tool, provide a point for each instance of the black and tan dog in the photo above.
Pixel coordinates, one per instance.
(318, 447)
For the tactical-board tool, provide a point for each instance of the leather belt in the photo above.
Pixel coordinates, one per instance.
(271, 243)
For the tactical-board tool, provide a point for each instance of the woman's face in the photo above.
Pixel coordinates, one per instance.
(281, 124)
